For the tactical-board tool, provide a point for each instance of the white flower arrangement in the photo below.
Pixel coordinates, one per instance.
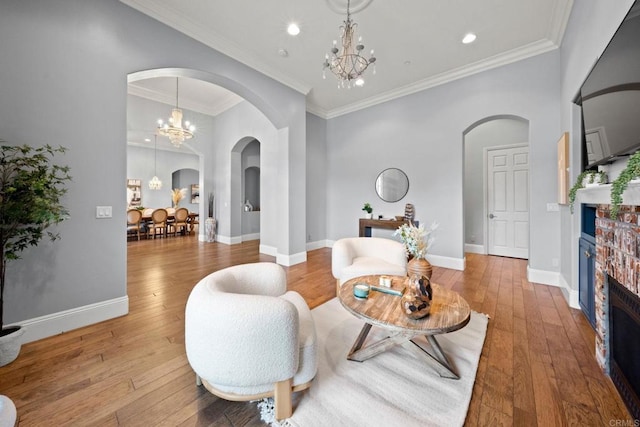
(416, 240)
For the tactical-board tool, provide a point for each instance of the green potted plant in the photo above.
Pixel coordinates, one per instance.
(583, 180)
(31, 188)
(367, 208)
(630, 172)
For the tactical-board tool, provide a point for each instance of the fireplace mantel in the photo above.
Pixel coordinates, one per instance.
(601, 195)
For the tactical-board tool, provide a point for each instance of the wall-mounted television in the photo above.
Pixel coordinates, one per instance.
(610, 97)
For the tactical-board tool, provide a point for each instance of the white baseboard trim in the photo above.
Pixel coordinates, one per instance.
(289, 260)
(551, 278)
(248, 237)
(317, 245)
(474, 249)
(63, 321)
(268, 250)
(447, 262)
(570, 295)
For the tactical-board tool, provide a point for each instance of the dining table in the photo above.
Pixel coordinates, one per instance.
(192, 219)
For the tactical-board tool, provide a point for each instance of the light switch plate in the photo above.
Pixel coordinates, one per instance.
(103, 212)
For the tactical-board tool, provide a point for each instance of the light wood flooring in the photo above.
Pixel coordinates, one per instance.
(537, 366)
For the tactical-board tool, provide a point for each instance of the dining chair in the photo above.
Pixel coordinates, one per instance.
(134, 222)
(158, 222)
(180, 221)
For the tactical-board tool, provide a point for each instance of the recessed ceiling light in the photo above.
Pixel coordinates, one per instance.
(293, 29)
(469, 38)
(147, 140)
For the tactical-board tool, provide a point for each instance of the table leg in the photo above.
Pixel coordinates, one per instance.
(437, 358)
(360, 354)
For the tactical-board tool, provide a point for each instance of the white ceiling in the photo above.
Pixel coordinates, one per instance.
(417, 43)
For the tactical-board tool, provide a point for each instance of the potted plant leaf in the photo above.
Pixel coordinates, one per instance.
(31, 189)
(585, 179)
(620, 184)
(367, 208)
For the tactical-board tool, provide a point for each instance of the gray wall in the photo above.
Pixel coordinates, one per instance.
(316, 218)
(422, 134)
(64, 81)
(140, 165)
(498, 132)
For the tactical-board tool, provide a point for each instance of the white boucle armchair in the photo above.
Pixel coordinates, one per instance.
(360, 256)
(247, 337)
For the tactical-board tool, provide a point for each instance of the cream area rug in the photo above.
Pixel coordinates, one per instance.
(394, 388)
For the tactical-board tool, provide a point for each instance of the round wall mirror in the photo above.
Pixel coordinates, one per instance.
(392, 185)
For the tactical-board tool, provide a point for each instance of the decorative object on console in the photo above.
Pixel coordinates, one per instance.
(32, 187)
(348, 65)
(248, 207)
(416, 301)
(417, 241)
(173, 128)
(409, 212)
(563, 168)
(367, 208)
(210, 224)
(586, 178)
(630, 172)
(177, 194)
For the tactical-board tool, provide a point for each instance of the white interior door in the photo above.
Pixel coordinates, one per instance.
(508, 201)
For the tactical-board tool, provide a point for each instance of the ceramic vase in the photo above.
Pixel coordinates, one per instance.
(419, 266)
(10, 344)
(416, 300)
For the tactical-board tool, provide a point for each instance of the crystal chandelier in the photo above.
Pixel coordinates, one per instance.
(155, 183)
(348, 64)
(173, 128)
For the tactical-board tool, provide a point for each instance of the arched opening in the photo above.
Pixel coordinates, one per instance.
(245, 180)
(218, 175)
(496, 186)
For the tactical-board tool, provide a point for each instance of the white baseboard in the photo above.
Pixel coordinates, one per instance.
(268, 250)
(318, 245)
(248, 237)
(551, 278)
(289, 260)
(570, 295)
(447, 262)
(63, 321)
(474, 249)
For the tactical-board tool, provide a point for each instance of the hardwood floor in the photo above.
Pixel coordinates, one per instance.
(537, 365)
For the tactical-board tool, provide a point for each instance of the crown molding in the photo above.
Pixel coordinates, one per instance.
(559, 21)
(190, 105)
(505, 58)
(175, 19)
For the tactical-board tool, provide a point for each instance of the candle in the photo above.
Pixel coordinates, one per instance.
(385, 281)
(361, 290)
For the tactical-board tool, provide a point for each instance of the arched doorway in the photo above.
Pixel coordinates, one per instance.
(496, 186)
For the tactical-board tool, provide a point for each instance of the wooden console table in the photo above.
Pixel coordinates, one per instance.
(367, 224)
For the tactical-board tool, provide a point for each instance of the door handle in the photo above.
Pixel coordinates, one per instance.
(491, 216)
(587, 254)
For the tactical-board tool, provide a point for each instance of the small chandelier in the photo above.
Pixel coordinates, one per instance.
(348, 65)
(155, 183)
(173, 128)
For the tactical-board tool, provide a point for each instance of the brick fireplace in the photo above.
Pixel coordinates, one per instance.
(617, 297)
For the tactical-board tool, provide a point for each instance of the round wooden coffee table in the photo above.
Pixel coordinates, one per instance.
(449, 312)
